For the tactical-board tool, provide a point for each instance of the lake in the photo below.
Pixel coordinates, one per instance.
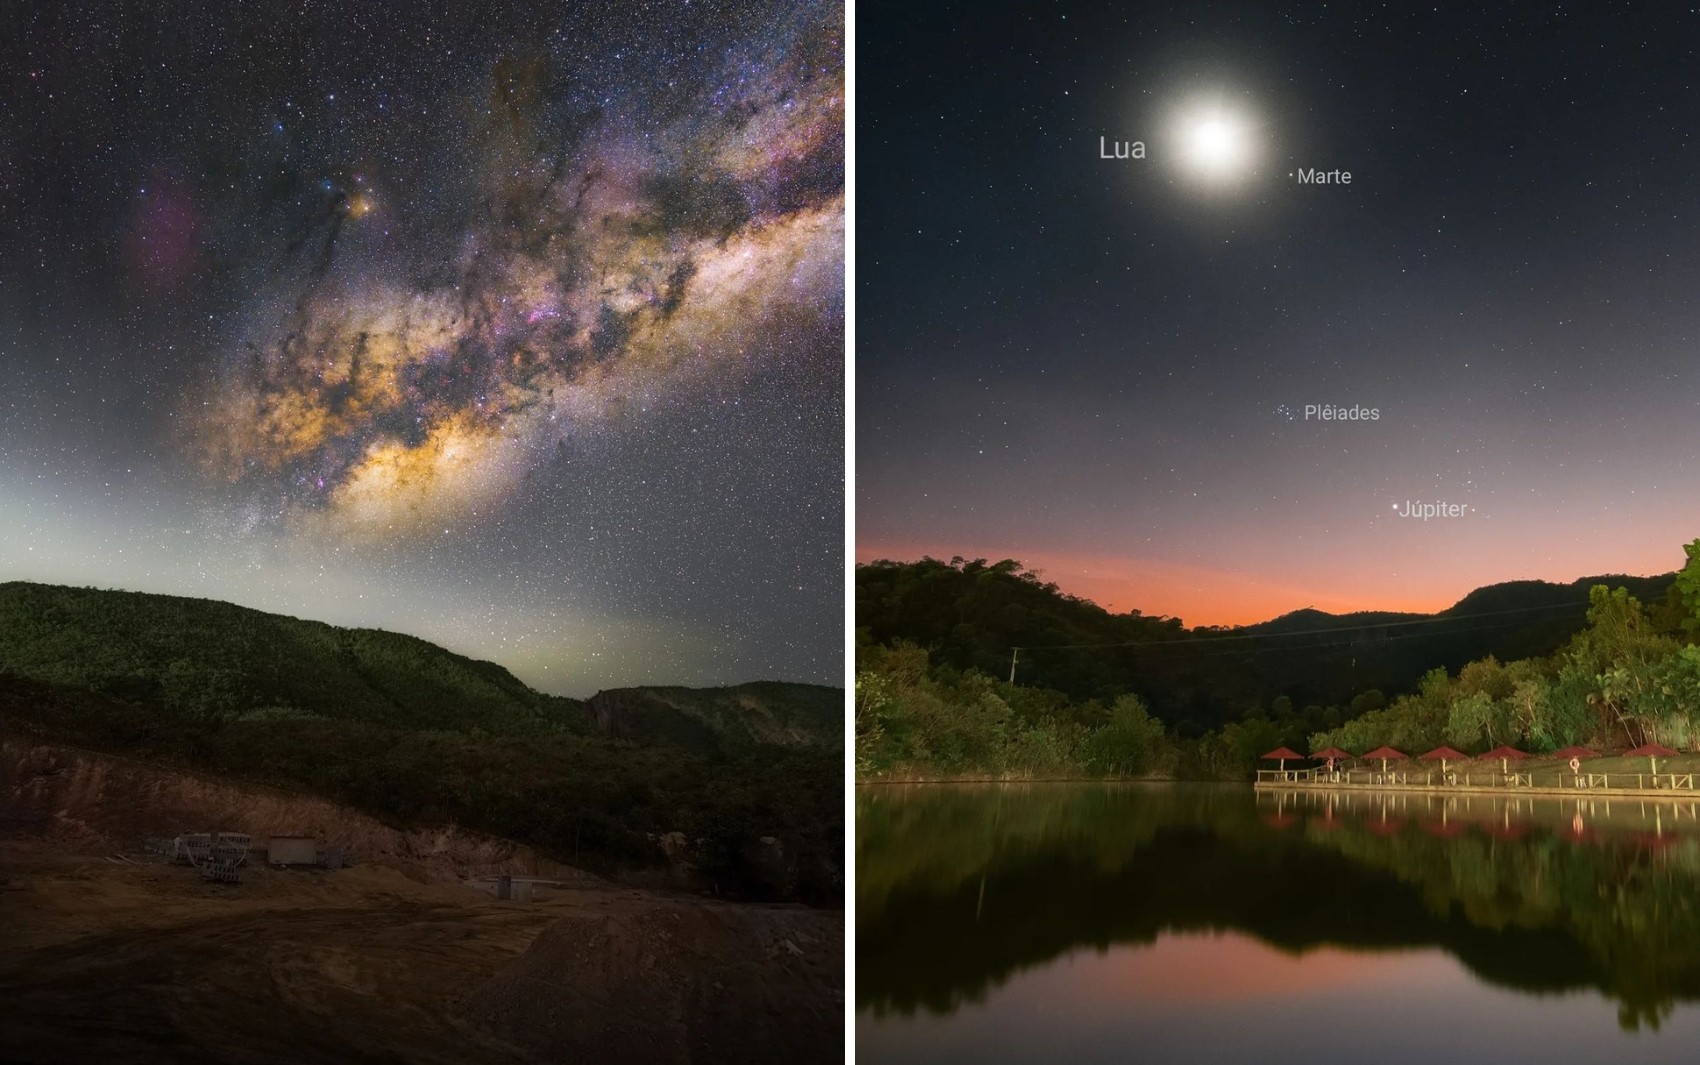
(1211, 923)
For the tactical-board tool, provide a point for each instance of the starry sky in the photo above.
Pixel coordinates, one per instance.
(517, 327)
(1101, 367)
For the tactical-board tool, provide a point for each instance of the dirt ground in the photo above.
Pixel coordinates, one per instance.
(113, 961)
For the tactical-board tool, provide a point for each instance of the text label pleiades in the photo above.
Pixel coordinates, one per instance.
(1326, 412)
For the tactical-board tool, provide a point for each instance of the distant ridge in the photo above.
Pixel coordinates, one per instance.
(788, 715)
(1506, 595)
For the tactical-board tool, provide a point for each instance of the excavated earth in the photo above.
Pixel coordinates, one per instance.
(110, 954)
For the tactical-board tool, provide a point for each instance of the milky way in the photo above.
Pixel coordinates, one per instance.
(517, 327)
(397, 385)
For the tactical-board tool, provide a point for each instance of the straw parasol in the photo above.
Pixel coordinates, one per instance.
(1504, 753)
(1443, 754)
(1652, 752)
(1385, 755)
(1281, 754)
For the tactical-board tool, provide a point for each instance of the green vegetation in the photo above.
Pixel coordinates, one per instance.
(915, 720)
(418, 735)
(1625, 680)
(931, 637)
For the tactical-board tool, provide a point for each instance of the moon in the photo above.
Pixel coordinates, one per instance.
(1216, 140)
(1216, 147)
(1216, 144)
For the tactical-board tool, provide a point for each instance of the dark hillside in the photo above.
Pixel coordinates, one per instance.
(970, 614)
(789, 715)
(418, 735)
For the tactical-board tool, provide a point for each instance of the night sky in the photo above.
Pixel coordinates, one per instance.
(515, 327)
(1100, 367)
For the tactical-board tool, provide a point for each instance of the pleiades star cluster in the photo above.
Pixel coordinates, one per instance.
(515, 327)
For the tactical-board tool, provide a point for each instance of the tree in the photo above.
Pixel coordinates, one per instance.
(873, 696)
(1129, 743)
(1529, 710)
(1625, 650)
(1572, 714)
(1476, 717)
(1365, 702)
(1487, 676)
(1662, 696)
(1687, 587)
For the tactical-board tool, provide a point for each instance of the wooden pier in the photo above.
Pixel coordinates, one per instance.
(1478, 781)
(1645, 818)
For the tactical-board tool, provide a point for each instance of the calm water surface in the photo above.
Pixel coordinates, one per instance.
(1049, 922)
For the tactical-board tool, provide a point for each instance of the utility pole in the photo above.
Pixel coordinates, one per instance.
(1013, 651)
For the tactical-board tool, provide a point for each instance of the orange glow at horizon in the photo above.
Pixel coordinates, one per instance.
(1205, 595)
(1201, 968)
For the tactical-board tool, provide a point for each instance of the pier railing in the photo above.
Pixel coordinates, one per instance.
(1475, 778)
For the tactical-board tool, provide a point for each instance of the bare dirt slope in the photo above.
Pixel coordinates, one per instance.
(673, 984)
(390, 961)
(89, 799)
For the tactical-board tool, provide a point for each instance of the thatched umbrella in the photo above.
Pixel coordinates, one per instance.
(1385, 755)
(1281, 754)
(1652, 752)
(1504, 753)
(1443, 755)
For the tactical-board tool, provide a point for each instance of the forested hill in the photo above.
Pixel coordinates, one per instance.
(208, 659)
(411, 731)
(971, 613)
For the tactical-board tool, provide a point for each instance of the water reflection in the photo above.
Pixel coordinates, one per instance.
(1195, 896)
